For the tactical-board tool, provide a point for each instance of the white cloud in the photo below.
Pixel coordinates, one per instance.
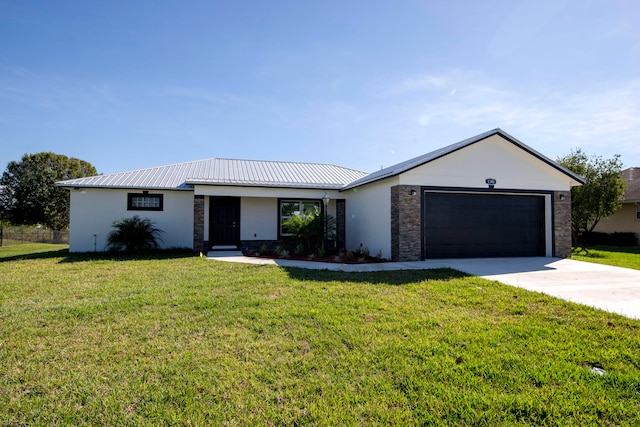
(604, 119)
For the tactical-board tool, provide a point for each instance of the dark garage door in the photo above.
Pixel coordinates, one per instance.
(483, 225)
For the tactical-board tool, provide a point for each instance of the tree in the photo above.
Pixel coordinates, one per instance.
(599, 197)
(30, 195)
(134, 235)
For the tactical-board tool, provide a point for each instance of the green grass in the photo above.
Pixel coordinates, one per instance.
(619, 256)
(181, 340)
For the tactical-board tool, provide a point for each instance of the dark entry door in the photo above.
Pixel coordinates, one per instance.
(224, 221)
(483, 225)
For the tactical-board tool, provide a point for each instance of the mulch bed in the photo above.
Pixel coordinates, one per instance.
(336, 259)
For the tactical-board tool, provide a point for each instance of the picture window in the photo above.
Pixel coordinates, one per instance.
(290, 208)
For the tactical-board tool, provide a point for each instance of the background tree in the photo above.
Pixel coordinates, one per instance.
(599, 197)
(30, 195)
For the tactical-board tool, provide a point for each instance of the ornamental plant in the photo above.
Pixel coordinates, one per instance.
(134, 235)
(307, 230)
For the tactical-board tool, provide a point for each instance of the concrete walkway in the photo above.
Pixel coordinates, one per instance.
(613, 289)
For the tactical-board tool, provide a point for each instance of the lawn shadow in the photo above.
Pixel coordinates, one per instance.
(587, 254)
(102, 256)
(389, 277)
(37, 255)
(122, 256)
(635, 250)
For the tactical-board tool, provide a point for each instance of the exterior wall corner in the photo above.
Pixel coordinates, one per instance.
(198, 223)
(406, 223)
(341, 214)
(562, 224)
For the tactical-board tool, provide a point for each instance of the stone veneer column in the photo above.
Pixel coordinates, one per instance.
(198, 223)
(406, 218)
(341, 214)
(562, 224)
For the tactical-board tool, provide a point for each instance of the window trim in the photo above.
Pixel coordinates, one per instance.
(131, 196)
(294, 200)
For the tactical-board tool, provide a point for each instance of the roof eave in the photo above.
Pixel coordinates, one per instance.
(182, 187)
(296, 186)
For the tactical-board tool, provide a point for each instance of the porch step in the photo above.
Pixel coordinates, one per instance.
(223, 254)
(224, 248)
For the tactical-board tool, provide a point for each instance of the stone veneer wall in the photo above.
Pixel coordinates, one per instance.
(341, 214)
(198, 223)
(406, 234)
(562, 224)
(254, 246)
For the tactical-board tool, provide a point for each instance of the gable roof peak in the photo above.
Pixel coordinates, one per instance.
(407, 165)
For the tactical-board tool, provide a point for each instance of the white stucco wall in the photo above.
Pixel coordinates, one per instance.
(494, 157)
(258, 218)
(94, 210)
(368, 217)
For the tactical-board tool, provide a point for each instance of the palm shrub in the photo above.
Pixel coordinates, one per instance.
(134, 235)
(307, 229)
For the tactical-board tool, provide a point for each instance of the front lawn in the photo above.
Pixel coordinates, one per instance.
(181, 340)
(619, 256)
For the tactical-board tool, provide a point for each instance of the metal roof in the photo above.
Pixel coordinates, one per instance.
(426, 158)
(225, 172)
(261, 173)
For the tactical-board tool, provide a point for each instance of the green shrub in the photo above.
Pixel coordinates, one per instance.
(322, 252)
(307, 229)
(611, 239)
(282, 252)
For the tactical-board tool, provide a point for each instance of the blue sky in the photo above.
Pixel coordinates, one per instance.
(363, 84)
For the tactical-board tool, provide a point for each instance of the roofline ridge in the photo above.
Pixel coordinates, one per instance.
(150, 168)
(285, 161)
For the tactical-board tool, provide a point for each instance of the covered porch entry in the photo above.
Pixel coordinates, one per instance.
(246, 220)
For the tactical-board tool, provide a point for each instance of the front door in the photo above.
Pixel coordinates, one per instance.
(224, 221)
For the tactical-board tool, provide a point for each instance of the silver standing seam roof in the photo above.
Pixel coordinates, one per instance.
(259, 173)
(262, 173)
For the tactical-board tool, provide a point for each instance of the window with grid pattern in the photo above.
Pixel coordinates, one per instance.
(144, 202)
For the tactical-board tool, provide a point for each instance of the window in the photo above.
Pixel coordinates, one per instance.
(289, 208)
(144, 202)
(637, 210)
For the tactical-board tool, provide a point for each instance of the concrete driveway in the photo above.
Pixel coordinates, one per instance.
(613, 289)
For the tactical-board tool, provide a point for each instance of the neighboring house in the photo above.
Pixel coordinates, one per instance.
(490, 195)
(627, 218)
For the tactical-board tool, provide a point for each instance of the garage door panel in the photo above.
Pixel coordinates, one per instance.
(483, 225)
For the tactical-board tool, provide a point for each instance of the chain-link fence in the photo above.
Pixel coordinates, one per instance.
(15, 235)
